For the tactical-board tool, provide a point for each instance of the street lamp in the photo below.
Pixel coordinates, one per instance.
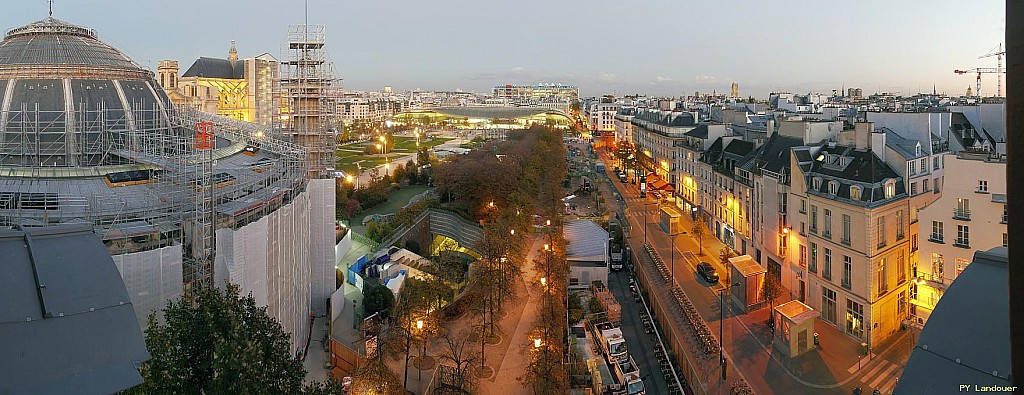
(536, 343)
(387, 169)
(352, 180)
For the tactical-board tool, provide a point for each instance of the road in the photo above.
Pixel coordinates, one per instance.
(640, 344)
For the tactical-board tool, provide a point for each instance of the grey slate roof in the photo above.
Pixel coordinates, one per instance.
(967, 337)
(739, 147)
(585, 241)
(66, 322)
(54, 42)
(216, 68)
(700, 131)
(903, 146)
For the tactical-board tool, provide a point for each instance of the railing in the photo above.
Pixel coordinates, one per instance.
(962, 214)
(962, 243)
(846, 283)
(935, 238)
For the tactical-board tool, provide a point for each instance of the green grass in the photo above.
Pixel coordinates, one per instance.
(350, 162)
(392, 205)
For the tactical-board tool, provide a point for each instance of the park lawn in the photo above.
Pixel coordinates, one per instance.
(347, 160)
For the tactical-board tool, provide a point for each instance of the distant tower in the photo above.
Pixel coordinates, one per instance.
(232, 53)
(735, 90)
(970, 93)
(167, 74)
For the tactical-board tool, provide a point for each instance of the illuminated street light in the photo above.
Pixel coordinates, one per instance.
(544, 281)
(512, 231)
(419, 324)
(536, 343)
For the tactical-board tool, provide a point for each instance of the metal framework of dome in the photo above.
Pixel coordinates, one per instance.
(52, 47)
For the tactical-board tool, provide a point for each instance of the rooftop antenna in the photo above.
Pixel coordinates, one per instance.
(50, 2)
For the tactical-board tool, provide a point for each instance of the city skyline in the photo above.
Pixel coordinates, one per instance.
(599, 46)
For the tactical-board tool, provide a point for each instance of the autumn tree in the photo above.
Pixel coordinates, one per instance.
(700, 231)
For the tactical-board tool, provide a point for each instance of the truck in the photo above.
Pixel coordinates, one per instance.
(628, 375)
(610, 340)
(615, 245)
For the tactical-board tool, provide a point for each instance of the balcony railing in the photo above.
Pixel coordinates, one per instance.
(1003, 220)
(963, 214)
(935, 238)
(962, 243)
(847, 284)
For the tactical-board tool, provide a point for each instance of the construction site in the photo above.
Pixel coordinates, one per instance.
(180, 198)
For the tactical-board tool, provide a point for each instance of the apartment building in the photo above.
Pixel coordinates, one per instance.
(858, 242)
(969, 216)
(724, 213)
(600, 115)
(623, 123)
(369, 107)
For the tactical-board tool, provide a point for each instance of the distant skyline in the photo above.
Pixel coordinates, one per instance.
(653, 47)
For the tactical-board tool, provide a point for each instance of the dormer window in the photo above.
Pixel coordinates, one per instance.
(855, 192)
(833, 188)
(816, 183)
(890, 189)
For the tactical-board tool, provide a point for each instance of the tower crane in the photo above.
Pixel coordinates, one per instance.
(998, 53)
(998, 70)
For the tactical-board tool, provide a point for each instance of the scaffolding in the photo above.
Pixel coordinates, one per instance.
(305, 90)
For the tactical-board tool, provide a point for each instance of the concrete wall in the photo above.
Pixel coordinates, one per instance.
(152, 278)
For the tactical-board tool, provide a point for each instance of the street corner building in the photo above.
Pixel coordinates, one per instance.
(179, 198)
(66, 323)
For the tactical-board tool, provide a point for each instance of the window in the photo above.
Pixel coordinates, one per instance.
(854, 319)
(936, 232)
(890, 189)
(826, 271)
(924, 165)
(961, 264)
(901, 306)
(963, 236)
(899, 225)
(803, 255)
(901, 268)
(882, 278)
(983, 186)
(913, 167)
(814, 219)
(846, 229)
(847, 272)
(828, 305)
(816, 183)
(1003, 220)
(963, 209)
(803, 228)
(913, 243)
(924, 185)
(937, 274)
(855, 192)
(913, 188)
(935, 184)
(833, 188)
(803, 205)
(935, 163)
(813, 268)
(1006, 241)
(880, 226)
(828, 223)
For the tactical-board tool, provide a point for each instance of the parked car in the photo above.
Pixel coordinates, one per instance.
(708, 272)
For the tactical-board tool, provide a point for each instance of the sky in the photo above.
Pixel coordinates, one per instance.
(652, 47)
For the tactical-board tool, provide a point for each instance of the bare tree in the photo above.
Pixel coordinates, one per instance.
(700, 230)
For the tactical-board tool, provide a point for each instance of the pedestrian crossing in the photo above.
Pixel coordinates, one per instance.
(882, 376)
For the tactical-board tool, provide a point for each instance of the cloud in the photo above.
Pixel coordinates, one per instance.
(705, 79)
(659, 79)
(518, 69)
(606, 77)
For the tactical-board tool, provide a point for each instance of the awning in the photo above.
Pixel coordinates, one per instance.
(657, 183)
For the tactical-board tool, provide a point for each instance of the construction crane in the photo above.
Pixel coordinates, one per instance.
(980, 71)
(998, 53)
(998, 70)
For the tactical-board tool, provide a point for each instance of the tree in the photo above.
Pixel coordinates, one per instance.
(700, 230)
(771, 290)
(219, 341)
(377, 298)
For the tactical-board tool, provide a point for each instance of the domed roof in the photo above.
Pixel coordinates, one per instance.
(54, 44)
